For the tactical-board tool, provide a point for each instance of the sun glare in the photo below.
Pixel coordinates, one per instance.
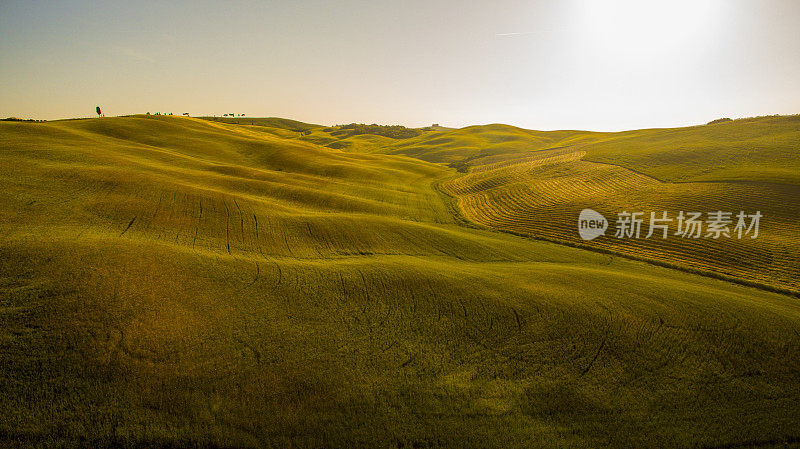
(635, 27)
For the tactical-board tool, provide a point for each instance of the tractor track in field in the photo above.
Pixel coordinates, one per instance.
(241, 219)
(130, 223)
(199, 220)
(256, 278)
(602, 344)
(227, 226)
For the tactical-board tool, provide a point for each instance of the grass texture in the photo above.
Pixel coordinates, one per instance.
(179, 282)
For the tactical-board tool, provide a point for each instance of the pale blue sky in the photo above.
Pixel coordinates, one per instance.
(569, 64)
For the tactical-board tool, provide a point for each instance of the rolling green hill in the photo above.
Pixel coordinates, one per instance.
(534, 183)
(743, 165)
(178, 282)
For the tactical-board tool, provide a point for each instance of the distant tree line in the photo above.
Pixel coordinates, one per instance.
(17, 119)
(719, 120)
(392, 131)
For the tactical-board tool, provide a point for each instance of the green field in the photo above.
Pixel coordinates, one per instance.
(745, 165)
(180, 282)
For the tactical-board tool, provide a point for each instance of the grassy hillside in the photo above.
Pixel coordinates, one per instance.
(176, 282)
(536, 182)
(762, 149)
(266, 122)
(743, 165)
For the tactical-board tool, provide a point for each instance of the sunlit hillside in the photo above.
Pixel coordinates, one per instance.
(179, 282)
(744, 165)
(535, 183)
